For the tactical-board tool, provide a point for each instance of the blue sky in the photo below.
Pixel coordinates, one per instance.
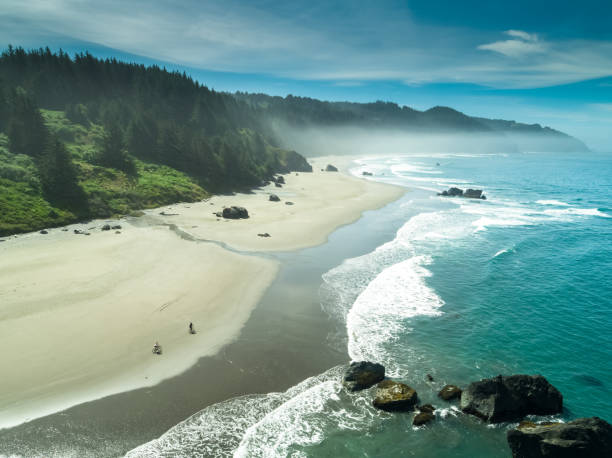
(532, 61)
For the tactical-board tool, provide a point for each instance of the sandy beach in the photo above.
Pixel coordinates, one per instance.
(79, 314)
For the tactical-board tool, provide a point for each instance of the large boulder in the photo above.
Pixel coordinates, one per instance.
(469, 193)
(449, 392)
(473, 193)
(394, 397)
(584, 438)
(331, 168)
(235, 213)
(280, 179)
(274, 198)
(510, 398)
(422, 418)
(363, 374)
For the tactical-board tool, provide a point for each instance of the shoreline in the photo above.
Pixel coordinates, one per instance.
(83, 377)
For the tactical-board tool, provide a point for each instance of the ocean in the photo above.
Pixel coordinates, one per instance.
(460, 289)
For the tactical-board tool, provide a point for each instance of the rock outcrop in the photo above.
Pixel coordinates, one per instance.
(274, 198)
(331, 168)
(235, 213)
(366, 174)
(280, 179)
(449, 392)
(584, 438)
(469, 193)
(422, 418)
(363, 374)
(394, 397)
(106, 227)
(511, 398)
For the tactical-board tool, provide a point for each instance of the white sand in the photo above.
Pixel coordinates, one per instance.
(322, 201)
(79, 314)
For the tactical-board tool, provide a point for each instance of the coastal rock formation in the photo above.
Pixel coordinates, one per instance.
(288, 203)
(235, 213)
(394, 397)
(450, 392)
(363, 374)
(280, 179)
(510, 398)
(331, 168)
(426, 408)
(117, 226)
(44, 232)
(584, 438)
(274, 198)
(469, 193)
(265, 234)
(106, 227)
(278, 185)
(367, 174)
(422, 417)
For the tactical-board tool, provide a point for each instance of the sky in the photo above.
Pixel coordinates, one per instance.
(546, 62)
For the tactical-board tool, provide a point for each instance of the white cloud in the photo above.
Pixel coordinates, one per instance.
(305, 42)
(525, 43)
(522, 35)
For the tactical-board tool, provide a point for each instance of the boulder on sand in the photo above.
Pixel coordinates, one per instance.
(106, 227)
(274, 198)
(584, 438)
(280, 179)
(450, 392)
(331, 168)
(394, 397)
(363, 374)
(510, 398)
(235, 213)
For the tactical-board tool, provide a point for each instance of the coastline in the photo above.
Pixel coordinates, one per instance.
(121, 292)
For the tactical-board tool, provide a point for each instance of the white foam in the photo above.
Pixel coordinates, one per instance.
(379, 314)
(577, 212)
(557, 203)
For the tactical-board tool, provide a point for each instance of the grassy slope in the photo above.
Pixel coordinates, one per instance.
(109, 192)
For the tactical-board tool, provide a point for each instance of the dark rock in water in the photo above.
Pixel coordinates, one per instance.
(44, 232)
(473, 193)
(421, 418)
(168, 214)
(583, 438)
(265, 234)
(274, 198)
(437, 164)
(426, 408)
(278, 185)
(77, 231)
(429, 377)
(394, 396)
(281, 179)
(106, 227)
(367, 174)
(470, 193)
(288, 203)
(235, 213)
(116, 226)
(363, 374)
(450, 392)
(331, 168)
(64, 229)
(510, 398)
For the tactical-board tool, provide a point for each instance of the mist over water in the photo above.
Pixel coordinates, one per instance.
(466, 289)
(357, 140)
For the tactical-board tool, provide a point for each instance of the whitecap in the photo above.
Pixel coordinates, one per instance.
(558, 203)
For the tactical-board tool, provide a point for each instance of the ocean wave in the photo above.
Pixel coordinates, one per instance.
(379, 314)
(219, 430)
(557, 203)
(578, 212)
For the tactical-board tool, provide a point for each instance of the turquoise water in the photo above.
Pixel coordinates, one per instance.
(519, 283)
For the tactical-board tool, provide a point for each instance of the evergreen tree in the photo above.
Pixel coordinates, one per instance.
(26, 129)
(58, 177)
(114, 153)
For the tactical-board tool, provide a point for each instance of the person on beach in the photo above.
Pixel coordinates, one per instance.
(191, 330)
(157, 348)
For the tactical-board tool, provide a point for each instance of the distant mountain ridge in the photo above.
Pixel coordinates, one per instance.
(304, 111)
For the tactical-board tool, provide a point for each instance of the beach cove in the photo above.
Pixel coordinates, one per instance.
(80, 313)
